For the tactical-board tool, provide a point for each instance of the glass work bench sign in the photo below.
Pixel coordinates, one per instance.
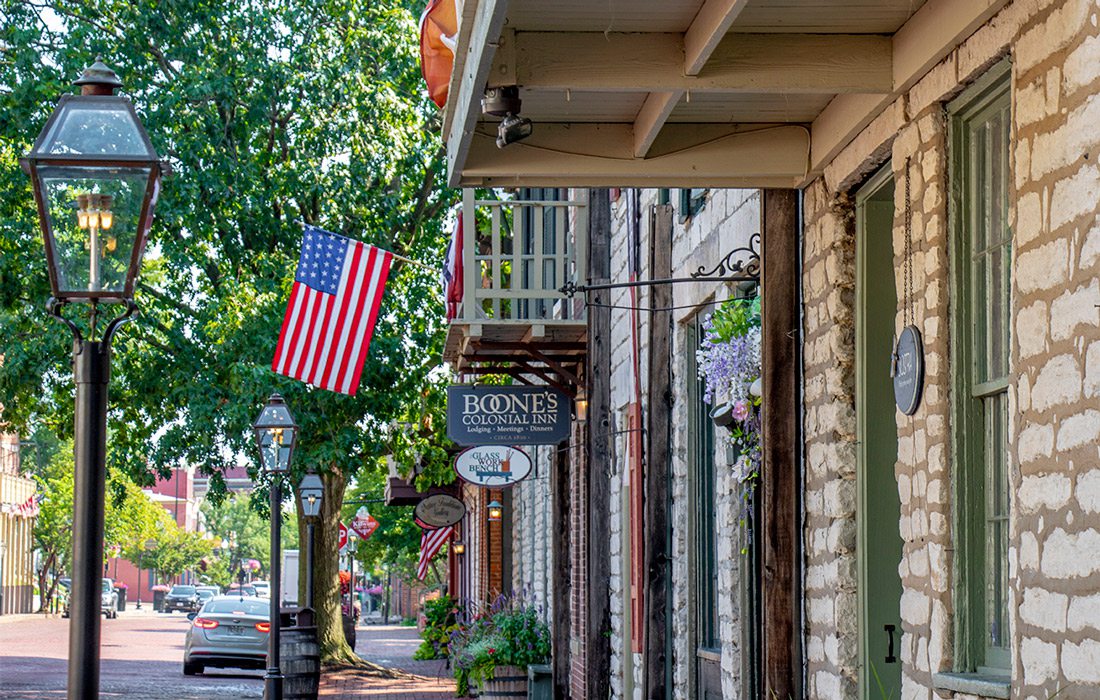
(507, 415)
(492, 465)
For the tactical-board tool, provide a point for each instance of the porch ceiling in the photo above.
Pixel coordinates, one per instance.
(722, 93)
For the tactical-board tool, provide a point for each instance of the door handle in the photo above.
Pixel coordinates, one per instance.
(890, 658)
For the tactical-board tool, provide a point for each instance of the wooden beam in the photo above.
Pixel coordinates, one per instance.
(781, 364)
(651, 119)
(561, 560)
(658, 458)
(684, 155)
(706, 31)
(933, 32)
(757, 63)
(484, 35)
(597, 625)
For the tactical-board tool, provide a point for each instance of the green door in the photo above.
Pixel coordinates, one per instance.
(878, 509)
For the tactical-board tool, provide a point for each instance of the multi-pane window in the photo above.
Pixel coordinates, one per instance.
(981, 128)
(703, 479)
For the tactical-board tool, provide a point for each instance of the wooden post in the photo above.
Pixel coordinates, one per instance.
(657, 460)
(598, 474)
(781, 472)
(560, 539)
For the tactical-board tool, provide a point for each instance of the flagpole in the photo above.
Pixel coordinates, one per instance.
(395, 256)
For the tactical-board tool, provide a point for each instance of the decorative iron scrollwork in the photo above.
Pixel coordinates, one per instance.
(735, 264)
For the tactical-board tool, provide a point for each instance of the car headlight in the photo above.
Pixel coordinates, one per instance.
(105, 599)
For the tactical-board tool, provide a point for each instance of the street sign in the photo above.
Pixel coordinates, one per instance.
(507, 415)
(364, 523)
(342, 538)
(492, 465)
(439, 511)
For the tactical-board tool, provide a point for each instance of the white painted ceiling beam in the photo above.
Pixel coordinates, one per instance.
(684, 155)
(706, 31)
(620, 62)
(926, 39)
(488, 21)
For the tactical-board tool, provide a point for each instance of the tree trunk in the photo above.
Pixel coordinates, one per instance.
(326, 573)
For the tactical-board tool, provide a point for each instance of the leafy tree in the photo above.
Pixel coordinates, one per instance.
(271, 111)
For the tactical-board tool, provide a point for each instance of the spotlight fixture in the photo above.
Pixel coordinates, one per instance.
(513, 128)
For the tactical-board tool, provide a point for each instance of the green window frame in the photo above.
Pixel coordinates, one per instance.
(692, 201)
(703, 499)
(980, 138)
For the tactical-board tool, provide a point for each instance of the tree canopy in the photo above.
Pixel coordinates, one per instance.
(271, 112)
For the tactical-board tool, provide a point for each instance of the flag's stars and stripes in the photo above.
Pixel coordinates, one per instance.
(430, 543)
(332, 310)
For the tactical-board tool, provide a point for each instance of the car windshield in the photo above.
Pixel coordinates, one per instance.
(183, 590)
(206, 593)
(106, 585)
(245, 606)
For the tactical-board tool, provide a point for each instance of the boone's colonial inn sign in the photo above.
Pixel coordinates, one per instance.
(507, 415)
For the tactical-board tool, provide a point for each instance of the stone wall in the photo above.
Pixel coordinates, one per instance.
(1054, 381)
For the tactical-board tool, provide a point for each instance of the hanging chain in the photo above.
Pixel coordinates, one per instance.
(908, 316)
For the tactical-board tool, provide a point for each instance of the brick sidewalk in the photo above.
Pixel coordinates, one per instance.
(392, 647)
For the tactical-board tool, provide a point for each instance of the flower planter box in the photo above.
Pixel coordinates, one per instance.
(507, 682)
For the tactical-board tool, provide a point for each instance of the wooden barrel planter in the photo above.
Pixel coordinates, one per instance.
(507, 682)
(300, 663)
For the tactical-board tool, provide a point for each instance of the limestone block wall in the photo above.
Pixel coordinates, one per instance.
(727, 220)
(1054, 558)
(532, 559)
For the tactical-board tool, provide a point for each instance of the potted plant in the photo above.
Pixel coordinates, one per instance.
(494, 649)
(729, 365)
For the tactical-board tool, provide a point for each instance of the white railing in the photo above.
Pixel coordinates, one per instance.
(517, 253)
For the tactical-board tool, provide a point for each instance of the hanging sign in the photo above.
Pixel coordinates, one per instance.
(492, 465)
(364, 523)
(342, 538)
(907, 369)
(440, 510)
(507, 415)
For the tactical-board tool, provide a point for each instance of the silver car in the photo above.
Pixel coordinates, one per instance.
(227, 632)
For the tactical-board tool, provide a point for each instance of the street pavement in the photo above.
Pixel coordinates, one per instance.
(390, 646)
(141, 657)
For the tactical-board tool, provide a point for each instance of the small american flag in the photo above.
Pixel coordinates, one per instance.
(28, 508)
(332, 311)
(430, 542)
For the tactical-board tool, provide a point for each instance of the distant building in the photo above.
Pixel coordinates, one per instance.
(17, 510)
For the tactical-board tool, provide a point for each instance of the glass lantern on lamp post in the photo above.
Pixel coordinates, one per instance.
(496, 511)
(95, 177)
(275, 437)
(311, 491)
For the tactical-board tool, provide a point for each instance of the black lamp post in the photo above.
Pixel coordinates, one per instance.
(275, 436)
(353, 545)
(96, 178)
(310, 492)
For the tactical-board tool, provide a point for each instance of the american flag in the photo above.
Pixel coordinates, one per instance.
(430, 542)
(332, 311)
(28, 508)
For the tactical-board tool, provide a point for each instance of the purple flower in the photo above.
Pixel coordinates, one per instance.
(741, 409)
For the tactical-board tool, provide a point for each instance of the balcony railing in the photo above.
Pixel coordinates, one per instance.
(516, 254)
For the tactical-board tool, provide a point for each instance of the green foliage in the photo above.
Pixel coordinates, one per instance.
(440, 622)
(509, 633)
(734, 318)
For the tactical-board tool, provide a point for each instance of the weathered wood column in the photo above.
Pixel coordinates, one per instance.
(597, 636)
(657, 457)
(782, 435)
(560, 574)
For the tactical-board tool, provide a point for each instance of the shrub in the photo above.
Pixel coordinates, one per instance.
(439, 625)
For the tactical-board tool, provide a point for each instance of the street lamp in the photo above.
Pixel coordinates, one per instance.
(458, 547)
(275, 437)
(96, 178)
(353, 546)
(310, 492)
(496, 511)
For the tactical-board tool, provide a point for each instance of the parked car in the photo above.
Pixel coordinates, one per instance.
(108, 599)
(245, 590)
(182, 597)
(229, 631)
(205, 593)
(263, 588)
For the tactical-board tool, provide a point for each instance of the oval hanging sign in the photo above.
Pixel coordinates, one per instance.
(440, 510)
(492, 465)
(907, 369)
